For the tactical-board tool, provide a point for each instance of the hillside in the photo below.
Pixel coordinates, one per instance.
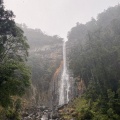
(94, 56)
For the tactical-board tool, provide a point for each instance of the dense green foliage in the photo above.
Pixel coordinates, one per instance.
(14, 75)
(95, 57)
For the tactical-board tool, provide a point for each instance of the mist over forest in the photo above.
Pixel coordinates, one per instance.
(44, 77)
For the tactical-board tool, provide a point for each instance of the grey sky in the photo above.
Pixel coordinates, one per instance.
(56, 16)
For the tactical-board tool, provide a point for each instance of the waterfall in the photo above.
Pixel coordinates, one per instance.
(64, 83)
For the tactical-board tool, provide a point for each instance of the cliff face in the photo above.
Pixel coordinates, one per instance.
(54, 86)
(46, 61)
(46, 72)
(45, 56)
(77, 84)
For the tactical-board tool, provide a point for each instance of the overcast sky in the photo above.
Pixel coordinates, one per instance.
(56, 16)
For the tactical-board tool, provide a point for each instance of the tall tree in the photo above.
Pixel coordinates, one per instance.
(14, 75)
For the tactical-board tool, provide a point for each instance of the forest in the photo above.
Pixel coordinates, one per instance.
(31, 60)
(95, 57)
(14, 73)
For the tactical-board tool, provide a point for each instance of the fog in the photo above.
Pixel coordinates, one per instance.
(43, 77)
(56, 16)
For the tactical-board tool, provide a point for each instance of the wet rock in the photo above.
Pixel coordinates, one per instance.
(72, 119)
(43, 108)
(25, 114)
(71, 110)
(74, 114)
(61, 106)
(44, 117)
(55, 116)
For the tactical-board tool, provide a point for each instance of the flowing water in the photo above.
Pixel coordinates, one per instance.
(64, 83)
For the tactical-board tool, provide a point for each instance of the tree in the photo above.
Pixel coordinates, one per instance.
(14, 75)
(96, 59)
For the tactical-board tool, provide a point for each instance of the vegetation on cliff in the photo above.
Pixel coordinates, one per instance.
(95, 57)
(45, 56)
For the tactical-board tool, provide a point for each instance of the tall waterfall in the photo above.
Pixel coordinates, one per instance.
(64, 83)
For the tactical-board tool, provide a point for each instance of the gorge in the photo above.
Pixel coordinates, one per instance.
(74, 80)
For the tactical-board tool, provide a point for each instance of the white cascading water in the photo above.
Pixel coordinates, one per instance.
(64, 83)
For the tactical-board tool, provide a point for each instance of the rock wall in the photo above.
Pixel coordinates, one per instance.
(54, 86)
(46, 71)
(77, 84)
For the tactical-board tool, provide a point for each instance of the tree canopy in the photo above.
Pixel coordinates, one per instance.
(95, 57)
(14, 75)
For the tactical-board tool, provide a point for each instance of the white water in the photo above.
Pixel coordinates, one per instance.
(64, 83)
